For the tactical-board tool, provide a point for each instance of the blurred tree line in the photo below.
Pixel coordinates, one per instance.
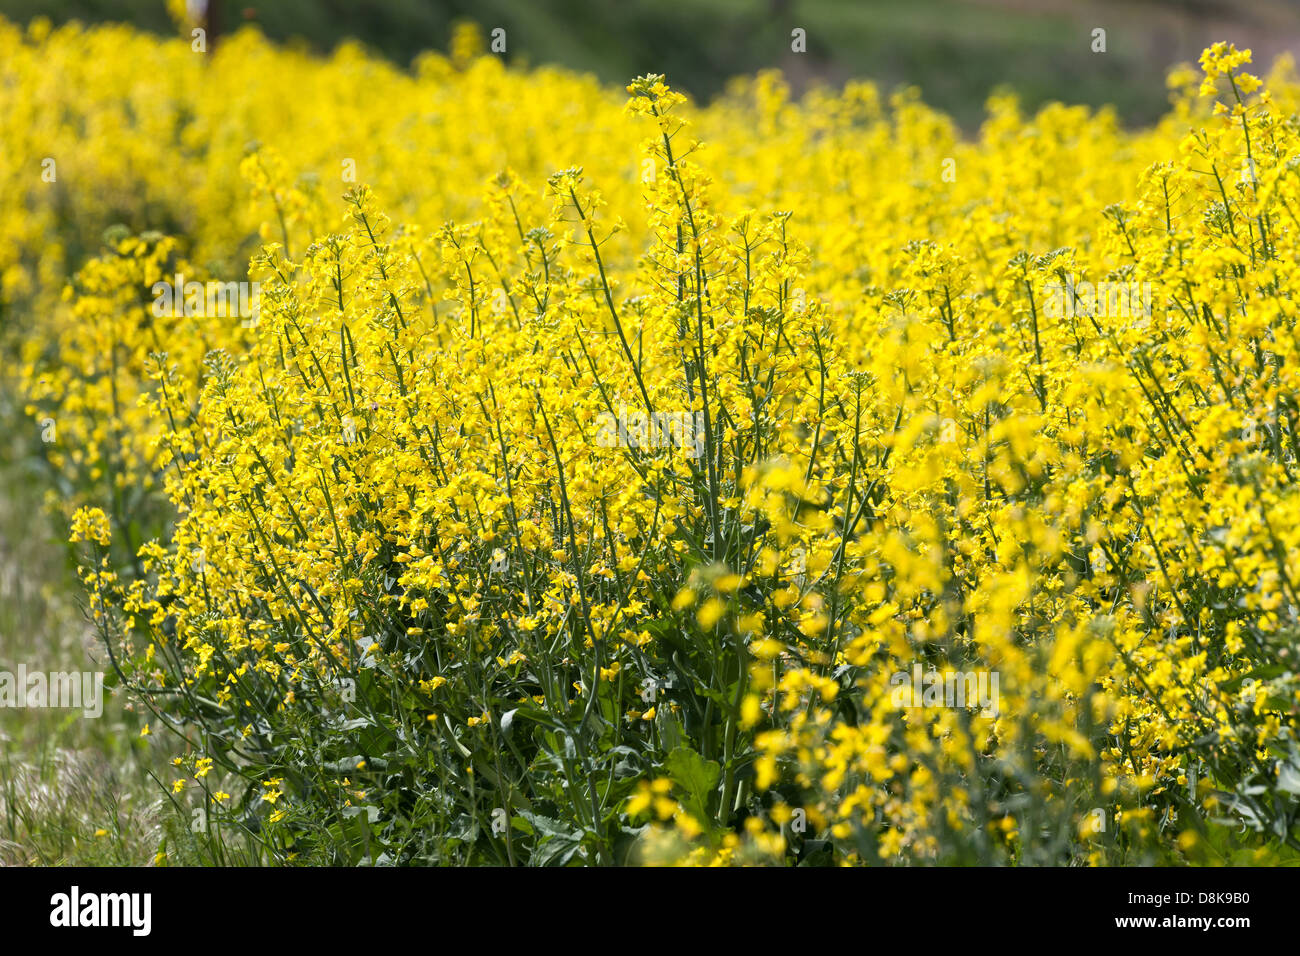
(957, 51)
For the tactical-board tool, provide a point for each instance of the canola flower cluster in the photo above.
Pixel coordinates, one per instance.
(931, 569)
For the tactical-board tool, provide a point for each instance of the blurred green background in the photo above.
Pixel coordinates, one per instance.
(957, 51)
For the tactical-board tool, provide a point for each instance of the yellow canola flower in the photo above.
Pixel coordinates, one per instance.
(729, 418)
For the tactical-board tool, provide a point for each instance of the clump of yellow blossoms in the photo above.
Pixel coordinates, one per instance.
(764, 482)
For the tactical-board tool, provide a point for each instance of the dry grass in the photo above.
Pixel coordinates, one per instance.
(73, 790)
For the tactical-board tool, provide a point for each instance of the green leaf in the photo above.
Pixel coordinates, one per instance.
(696, 776)
(557, 843)
(1288, 776)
